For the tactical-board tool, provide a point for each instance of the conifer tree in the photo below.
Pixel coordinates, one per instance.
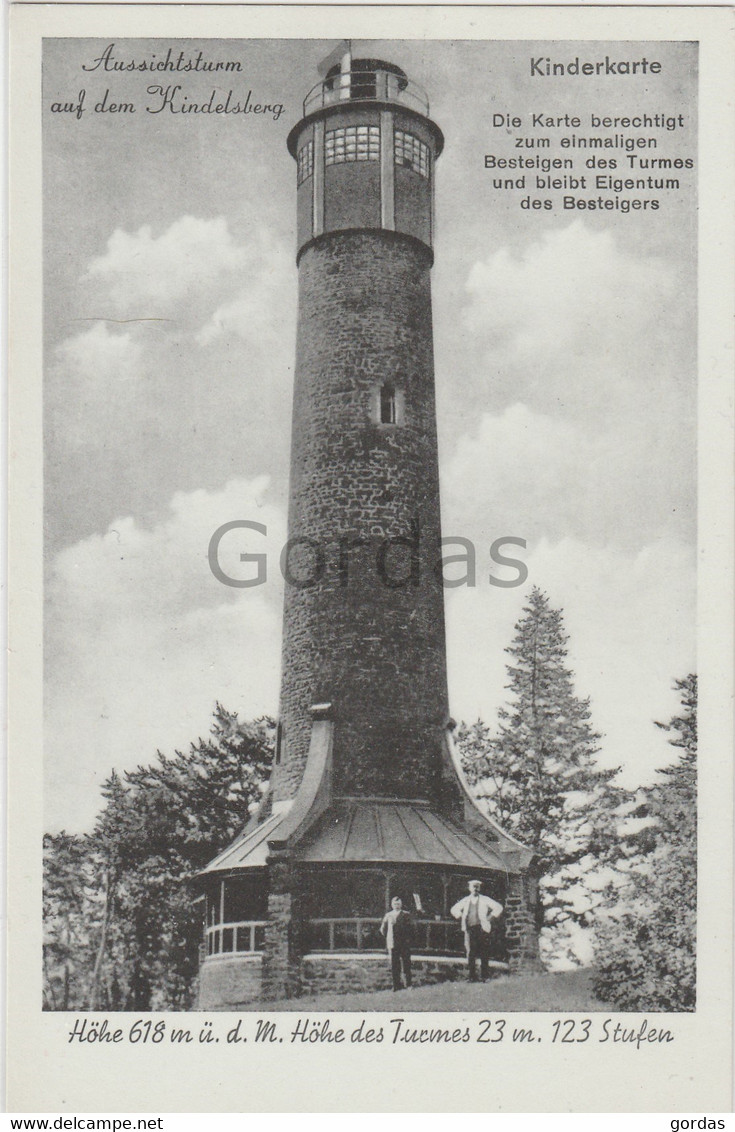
(538, 774)
(646, 941)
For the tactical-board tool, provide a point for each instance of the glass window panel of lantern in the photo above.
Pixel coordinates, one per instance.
(412, 153)
(228, 939)
(352, 143)
(401, 157)
(305, 162)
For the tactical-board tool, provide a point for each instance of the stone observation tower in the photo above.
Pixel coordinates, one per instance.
(366, 800)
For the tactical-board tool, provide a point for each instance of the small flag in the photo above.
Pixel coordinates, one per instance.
(338, 55)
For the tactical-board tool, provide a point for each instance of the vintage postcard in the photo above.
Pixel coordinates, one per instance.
(370, 559)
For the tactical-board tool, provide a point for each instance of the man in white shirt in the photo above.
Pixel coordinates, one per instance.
(477, 913)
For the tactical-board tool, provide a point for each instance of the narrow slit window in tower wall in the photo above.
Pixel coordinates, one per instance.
(388, 413)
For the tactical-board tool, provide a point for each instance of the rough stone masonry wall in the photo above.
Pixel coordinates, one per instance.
(347, 974)
(521, 937)
(375, 650)
(281, 972)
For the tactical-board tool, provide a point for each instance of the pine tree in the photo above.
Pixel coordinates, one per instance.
(159, 827)
(646, 942)
(539, 778)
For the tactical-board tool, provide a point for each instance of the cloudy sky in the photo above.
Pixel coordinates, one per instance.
(566, 388)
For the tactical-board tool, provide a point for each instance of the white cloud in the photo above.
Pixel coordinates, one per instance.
(142, 639)
(264, 306)
(140, 268)
(198, 276)
(576, 323)
(573, 288)
(100, 356)
(529, 474)
(204, 316)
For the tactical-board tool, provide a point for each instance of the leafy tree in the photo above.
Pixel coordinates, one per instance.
(538, 775)
(646, 943)
(67, 943)
(159, 827)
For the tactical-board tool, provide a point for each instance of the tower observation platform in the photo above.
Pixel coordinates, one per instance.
(366, 799)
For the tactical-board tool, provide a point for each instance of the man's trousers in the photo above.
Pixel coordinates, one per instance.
(478, 947)
(400, 957)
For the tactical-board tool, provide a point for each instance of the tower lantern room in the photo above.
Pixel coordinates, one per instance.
(365, 152)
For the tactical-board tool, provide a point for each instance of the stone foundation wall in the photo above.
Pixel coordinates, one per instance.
(346, 974)
(231, 982)
(227, 982)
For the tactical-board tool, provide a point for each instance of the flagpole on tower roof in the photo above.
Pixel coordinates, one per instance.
(345, 68)
(337, 55)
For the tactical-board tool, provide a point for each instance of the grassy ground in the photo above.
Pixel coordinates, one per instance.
(560, 992)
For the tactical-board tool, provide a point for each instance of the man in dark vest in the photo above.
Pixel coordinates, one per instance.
(398, 929)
